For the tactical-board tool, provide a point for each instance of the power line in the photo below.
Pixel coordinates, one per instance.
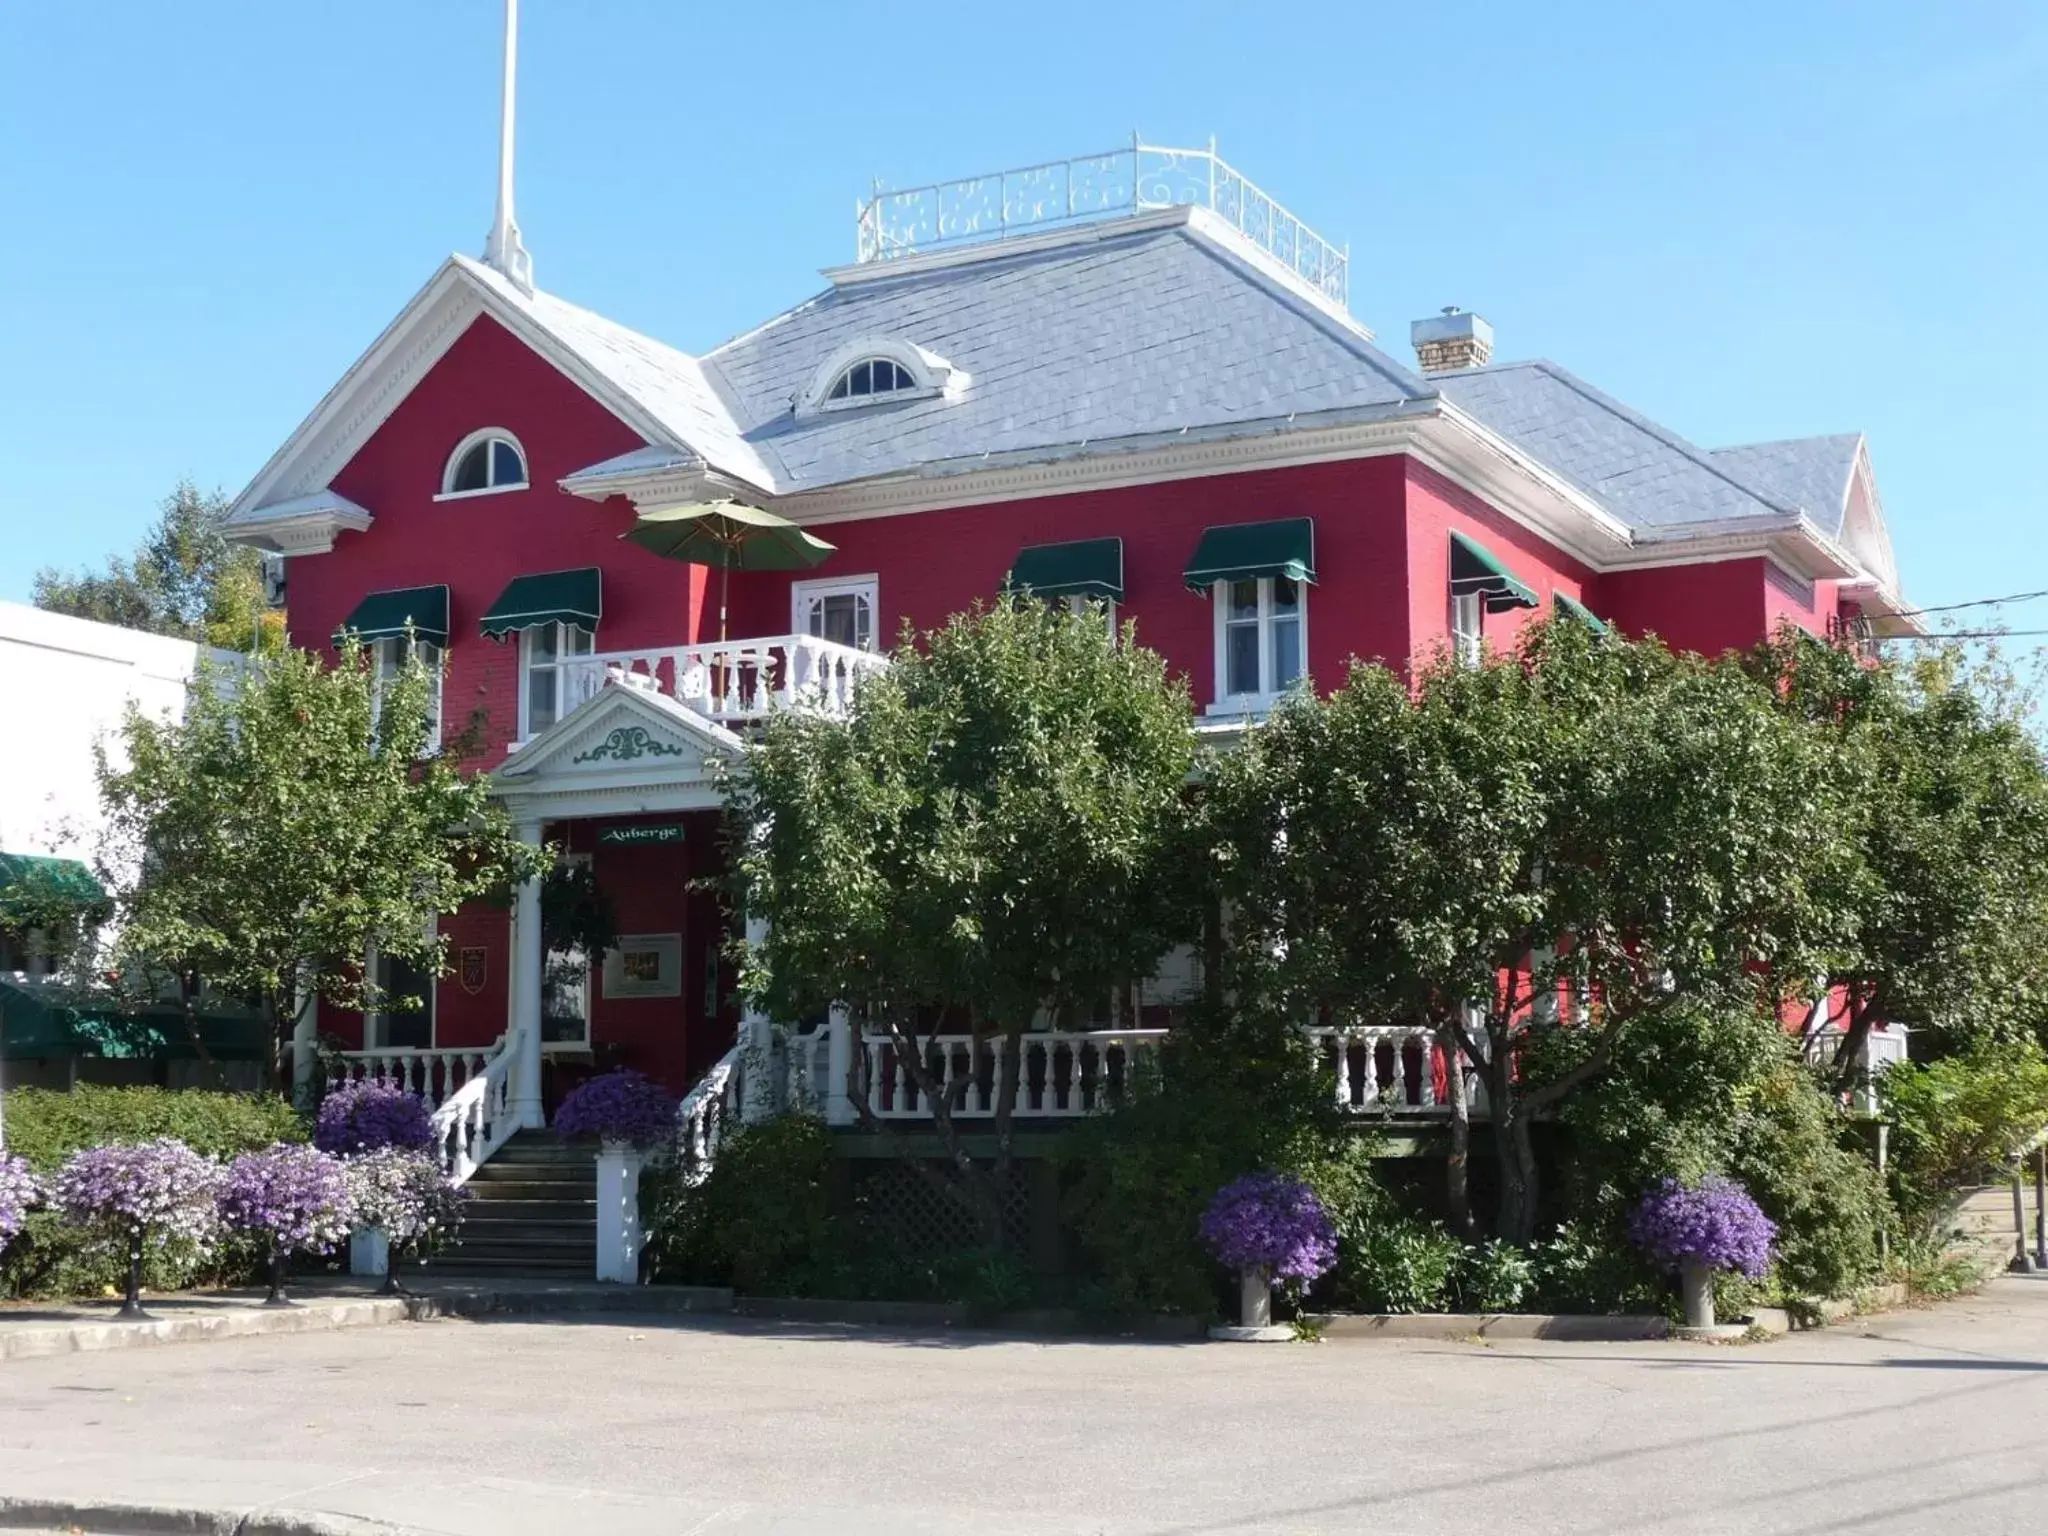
(1971, 634)
(1978, 602)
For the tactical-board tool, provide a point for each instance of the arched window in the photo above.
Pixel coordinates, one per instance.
(487, 460)
(870, 377)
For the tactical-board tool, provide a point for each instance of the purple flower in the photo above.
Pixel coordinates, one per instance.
(618, 1106)
(295, 1196)
(1271, 1222)
(361, 1117)
(1714, 1223)
(19, 1189)
(406, 1193)
(156, 1191)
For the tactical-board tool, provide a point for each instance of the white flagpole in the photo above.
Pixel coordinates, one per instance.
(504, 250)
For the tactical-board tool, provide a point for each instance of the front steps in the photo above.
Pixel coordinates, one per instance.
(532, 1211)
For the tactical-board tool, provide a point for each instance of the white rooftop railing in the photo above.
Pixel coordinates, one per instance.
(1032, 198)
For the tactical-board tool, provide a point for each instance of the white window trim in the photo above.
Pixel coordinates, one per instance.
(483, 434)
(374, 1021)
(803, 593)
(1260, 702)
(934, 376)
(525, 672)
(1078, 603)
(1468, 642)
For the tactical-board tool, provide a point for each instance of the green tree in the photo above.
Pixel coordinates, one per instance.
(185, 580)
(293, 819)
(1571, 837)
(987, 840)
(1949, 921)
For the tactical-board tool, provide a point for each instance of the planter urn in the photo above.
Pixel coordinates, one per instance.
(618, 1212)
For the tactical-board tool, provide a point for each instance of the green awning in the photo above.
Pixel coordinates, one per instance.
(556, 597)
(38, 1023)
(1475, 568)
(1084, 568)
(381, 615)
(1579, 611)
(35, 875)
(1240, 551)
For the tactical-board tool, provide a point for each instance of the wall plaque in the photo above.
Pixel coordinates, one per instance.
(660, 832)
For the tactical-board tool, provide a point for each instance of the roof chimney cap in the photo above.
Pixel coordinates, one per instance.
(1452, 340)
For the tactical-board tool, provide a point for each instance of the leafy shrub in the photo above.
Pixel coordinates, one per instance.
(1827, 1197)
(1961, 1121)
(370, 1115)
(1496, 1276)
(1576, 1271)
(45, 1126)
(1388, 1261)
(1237, 1091)
(761, 1221)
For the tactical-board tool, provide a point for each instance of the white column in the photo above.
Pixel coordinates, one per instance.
(305, 1039)
(760, 1095)
(526, 969)
(838, 1064)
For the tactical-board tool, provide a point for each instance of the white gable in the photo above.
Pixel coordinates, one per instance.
(628, 749)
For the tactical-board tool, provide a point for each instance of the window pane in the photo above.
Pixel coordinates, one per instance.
(581, 641)
(1244, 600)
(543, 642)
(1241, 650)
(1286, 595)
(839, 389)
(1286, 652)
(473, 473)
(505, 466)
(541, 684)
(839, 618)
(411, 1027)
(863, 379)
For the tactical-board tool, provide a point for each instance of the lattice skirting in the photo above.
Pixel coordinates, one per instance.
(930, 1221)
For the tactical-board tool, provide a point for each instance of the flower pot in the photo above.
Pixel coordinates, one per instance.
(1254, 1312)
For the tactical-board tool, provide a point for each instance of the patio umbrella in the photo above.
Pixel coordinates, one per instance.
(730, 535)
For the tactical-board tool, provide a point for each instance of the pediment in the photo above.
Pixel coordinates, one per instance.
(626, 735)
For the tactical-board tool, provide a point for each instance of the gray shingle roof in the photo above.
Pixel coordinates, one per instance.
(1153, 332)
(1811, 473)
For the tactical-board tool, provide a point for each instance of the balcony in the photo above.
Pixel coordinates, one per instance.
(736, 683)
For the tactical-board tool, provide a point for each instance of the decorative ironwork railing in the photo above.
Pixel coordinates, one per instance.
(1144, 176)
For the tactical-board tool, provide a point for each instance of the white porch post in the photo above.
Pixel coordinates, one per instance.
(759, 1093)
(305, 1038)
(526, 980)
(838, 1066)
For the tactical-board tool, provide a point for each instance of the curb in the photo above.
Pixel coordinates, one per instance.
(109, 1519)
(369, 1312)
(1624, 1329)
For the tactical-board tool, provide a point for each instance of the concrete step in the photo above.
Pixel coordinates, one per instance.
(523, 1187)
(454, 1268)
(483, 1229)
(491, 1209)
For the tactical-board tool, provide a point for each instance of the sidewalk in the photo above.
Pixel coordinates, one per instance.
(32, 1330)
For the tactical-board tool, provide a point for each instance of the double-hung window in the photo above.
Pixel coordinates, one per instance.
(1259, 624)
(553, 682)
(1481, 583)
(390, 655)
(1467, 610)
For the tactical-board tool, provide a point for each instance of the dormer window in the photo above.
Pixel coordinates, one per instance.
(871, 370)
(875, 376)
(485, 462)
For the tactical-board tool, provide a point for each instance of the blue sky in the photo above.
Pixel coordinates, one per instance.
(1750, 221)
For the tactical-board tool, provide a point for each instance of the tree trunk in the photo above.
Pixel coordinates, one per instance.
(189, 995)
(1009, 1068)
(1513, 1150)
(1457, 1166)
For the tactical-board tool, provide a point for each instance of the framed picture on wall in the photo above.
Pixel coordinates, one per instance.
(645, 965)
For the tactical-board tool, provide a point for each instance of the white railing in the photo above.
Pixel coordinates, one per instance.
(476, 1119)
(734, 682)
(1390, 1068)
(1064, 1074)
(707, 1111)
(1881, 1047)
(435, 1075)
(1028, 199)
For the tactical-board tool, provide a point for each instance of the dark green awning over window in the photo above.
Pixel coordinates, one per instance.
(1240, 551)
(38, 1023)
(1475, 568)
(1084, 568)
(1579, 611)
(556, 597)
(423, 610)
(33, 875)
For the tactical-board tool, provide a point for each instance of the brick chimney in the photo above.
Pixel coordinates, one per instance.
(1452, 340)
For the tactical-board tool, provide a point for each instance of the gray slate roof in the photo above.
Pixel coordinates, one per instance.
(1645, 474)
(1153, 332)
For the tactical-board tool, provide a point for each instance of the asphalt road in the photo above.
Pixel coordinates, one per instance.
(1915, 1422)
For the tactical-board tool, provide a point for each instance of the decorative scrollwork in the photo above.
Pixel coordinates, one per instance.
(626, 744)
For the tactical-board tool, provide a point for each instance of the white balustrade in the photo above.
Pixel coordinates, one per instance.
(477, 1118)
(734, 682)
(435, 1075)
(707, 1110)
(1387, 1067)
(1063, 1074)
(1881, 1048)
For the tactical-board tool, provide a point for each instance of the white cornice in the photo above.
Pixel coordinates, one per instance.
(305, 525)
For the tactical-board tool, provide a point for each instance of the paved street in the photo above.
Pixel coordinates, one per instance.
(1919, 1421)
